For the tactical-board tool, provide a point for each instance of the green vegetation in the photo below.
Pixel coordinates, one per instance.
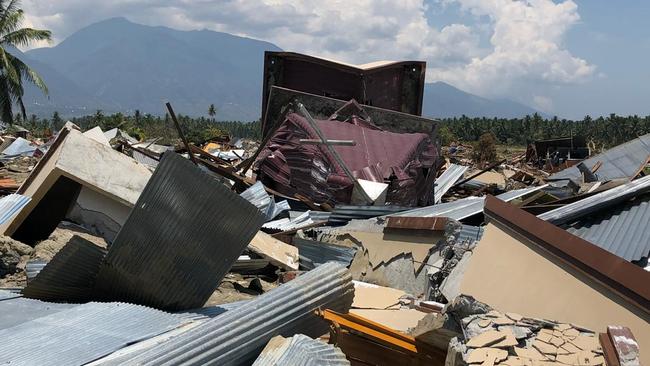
(485, 149)
(12, 70)
(604, 131)
(148, 126)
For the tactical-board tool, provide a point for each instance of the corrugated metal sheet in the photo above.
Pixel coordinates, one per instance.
(70, 275)
(344, 213)
(447, 180)
(81, 334)
(621, 230)
(183, 235)
(6, 295)
(597, 202)
(211, 311)
(300, 350)
(304, 219)
(246, 264)
(20, 146)
(622, 161)
(18, 310)
(238, 336)
(315, 253)
(11, 205)
(466, 207)
(256, 194)
(468, 232)
(144, 159)
(33, 268)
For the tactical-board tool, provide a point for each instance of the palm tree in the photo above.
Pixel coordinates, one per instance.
(212, 111)
(12, 70)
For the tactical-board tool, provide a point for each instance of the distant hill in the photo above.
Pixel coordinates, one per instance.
(442, 100)
(119, 66)
(122, 66)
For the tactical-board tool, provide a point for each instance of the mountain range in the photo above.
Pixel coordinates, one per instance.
(120, 66)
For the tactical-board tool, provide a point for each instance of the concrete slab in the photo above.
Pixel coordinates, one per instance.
(72, 162)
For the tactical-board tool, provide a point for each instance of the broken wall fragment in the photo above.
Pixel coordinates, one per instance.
(72, 163)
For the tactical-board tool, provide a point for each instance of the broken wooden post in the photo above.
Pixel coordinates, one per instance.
(180, 132)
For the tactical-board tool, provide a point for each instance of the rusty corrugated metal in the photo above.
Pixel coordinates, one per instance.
(183, 235)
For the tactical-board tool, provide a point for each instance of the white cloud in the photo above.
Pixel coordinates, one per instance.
(525, 44)
(544, 104)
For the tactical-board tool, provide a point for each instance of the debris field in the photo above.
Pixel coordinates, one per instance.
(346, 236)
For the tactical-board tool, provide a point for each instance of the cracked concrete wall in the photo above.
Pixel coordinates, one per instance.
(99, 213)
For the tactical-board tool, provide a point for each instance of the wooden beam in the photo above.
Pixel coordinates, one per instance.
(180, 132)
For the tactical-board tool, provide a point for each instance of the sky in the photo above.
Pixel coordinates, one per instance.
(568, 58)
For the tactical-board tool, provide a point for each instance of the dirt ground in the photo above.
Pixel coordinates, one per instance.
(17, 254)
(236, 287)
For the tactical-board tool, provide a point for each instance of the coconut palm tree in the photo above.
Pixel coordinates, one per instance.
(13, 70)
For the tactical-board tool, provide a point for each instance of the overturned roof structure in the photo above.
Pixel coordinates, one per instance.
(398, 86)
(290, 166)
(323, 107)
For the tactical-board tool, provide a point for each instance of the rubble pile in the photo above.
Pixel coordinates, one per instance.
(347, 235)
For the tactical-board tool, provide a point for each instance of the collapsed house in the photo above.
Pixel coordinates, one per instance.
(80, 178)
(405, 162)
(308, 247)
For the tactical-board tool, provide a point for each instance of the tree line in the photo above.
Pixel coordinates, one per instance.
(147, 126)
(603, 131)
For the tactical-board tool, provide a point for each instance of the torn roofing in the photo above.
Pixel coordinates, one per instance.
(238, 336)
(183, 235)
(447, 180)
(622, 277)
(300, 350)
(312, 170)
(314, 253)
(465, 207)
(70, 275)
(82, 333)
(622, 161)
(256, 194)
(597, 202)
(11, 205)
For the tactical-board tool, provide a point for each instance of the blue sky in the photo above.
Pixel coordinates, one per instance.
(565, 57)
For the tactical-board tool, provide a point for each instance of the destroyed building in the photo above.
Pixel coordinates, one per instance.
(343, 237)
